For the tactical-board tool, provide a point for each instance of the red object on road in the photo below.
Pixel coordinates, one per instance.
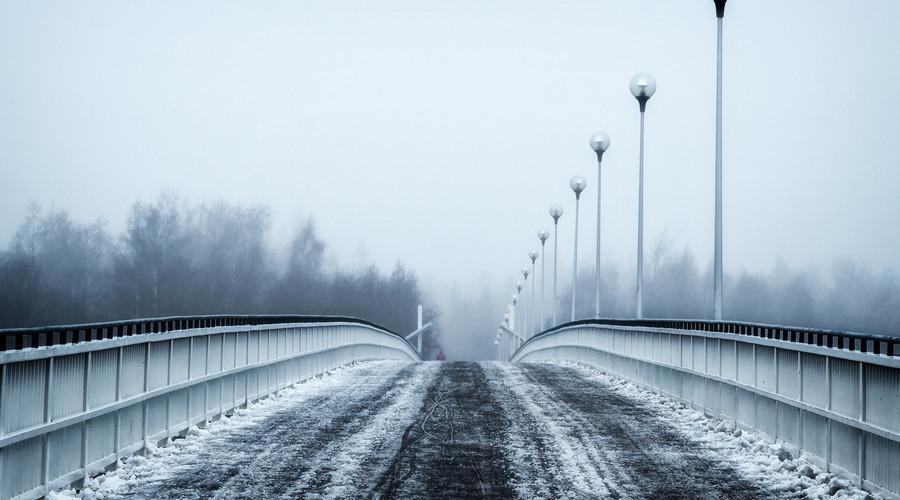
(440, 356)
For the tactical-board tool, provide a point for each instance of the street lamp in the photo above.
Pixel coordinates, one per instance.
(533, 256)
(578, 184)
(556, 212)
(718, 280)
(525, 306)
(543, 235)
(519, 286)
(642, 86)
(599, 143)
(515, 301)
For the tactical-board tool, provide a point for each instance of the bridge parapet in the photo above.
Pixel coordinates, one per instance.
(71, 410)
(832, 396)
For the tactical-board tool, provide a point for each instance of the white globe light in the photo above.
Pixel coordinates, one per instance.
(556, 212)
(578, 184)
(599, 142)
(642, 86)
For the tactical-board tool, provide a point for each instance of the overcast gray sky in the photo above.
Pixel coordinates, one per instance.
(438, 133)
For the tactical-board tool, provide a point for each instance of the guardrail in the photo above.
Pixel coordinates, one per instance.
(832, 396)
(70, 410)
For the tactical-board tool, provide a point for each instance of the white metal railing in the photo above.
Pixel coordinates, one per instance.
(70, 410)
(838, 407)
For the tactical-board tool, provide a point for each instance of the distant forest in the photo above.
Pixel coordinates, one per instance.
(847, 297)
(175, 258)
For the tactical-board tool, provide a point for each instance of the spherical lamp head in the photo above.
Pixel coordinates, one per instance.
(578, 184)
(533, 256)
(519, 286)
(525, 272)
(599, 142)
(642, 87)
(543, 235)
(515, 299)
(556, 212)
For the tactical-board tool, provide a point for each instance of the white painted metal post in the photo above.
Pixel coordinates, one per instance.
(419, 327)
(718, 283)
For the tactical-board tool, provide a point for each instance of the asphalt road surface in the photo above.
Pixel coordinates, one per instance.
(448, 430)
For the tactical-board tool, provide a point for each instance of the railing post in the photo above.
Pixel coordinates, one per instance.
(862, 418)
(206, 383)
(48, 417)
(190, 389)
(85, 406)
(828, 407)
(117, 438)
(169, 394)
(146, 403)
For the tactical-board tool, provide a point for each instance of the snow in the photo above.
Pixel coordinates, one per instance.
(158, 463)
(750, 453)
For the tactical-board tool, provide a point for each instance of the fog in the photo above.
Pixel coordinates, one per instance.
(176, 258)
(437, 134)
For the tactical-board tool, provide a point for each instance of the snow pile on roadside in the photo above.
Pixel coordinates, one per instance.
(751, 454)
(158, 462)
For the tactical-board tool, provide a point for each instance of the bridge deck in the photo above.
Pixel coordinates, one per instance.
(454, 430)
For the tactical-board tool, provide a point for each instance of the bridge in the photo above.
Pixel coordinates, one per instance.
(301, 406)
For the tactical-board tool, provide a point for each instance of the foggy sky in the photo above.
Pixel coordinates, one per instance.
(438, 133)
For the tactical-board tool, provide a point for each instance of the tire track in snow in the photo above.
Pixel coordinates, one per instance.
(550, 464)
(651, 459)
(455, 449)
(265, 460)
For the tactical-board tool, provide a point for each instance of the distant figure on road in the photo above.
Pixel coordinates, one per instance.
(440, 356)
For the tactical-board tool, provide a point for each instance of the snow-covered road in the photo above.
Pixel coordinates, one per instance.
(458, 430)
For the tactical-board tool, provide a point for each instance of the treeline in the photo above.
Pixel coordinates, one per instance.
(174, 258)
(847, 297)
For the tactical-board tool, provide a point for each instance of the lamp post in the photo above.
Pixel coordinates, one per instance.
(642, 87)
(578, 184)
(556, 212)
(504, 342)
(519, 286)
(515, 301)
(718, 280)
(599, 142)
(533, 256)
(525, 305)
(543, 235)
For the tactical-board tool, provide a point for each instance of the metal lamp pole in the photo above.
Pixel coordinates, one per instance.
(719, 281)
(556, 212)
(515, 301)
(578, 184)
(543, 235)
(599, 143)
(642, 87)
(533, 256)
(519, 286)
(525, 310)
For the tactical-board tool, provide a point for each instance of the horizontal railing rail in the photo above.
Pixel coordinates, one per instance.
(833, 397)
(68, 411)
(23, 338)
(864, 342)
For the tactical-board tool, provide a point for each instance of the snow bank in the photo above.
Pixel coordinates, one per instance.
(159, 462)
(751, 454)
